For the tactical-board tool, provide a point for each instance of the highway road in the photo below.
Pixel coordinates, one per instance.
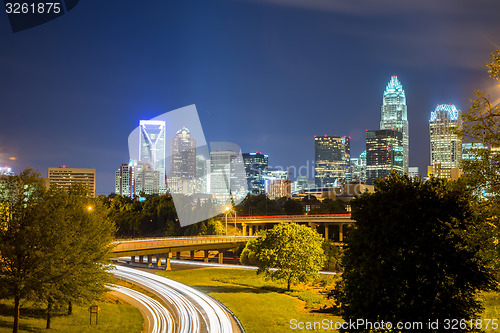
(192, 310)
(157, 317)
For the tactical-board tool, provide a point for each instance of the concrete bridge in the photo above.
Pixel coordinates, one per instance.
(331, 226)
(156, 249)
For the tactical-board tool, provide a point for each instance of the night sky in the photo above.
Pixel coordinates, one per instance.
(267, 75)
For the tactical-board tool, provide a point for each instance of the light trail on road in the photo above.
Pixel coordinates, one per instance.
(193, 310)
(162, 320)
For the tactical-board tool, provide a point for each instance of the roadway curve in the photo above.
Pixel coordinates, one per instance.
(158, 318)
(193, 311)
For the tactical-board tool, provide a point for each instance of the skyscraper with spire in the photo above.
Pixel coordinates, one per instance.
(394, 115)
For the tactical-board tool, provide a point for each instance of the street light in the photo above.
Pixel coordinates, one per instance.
(89, 208)
(227, 212)
(235, 222)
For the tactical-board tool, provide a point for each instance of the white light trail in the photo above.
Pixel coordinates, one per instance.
(193, 309)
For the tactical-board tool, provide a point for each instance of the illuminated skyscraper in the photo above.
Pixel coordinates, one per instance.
(394, 115)
(332, 158)
(255, 168)
(152, 146)
(183, 167)
(446, 146)
(384, 153)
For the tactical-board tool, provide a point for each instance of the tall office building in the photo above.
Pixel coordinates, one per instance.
(255, 169)
(277, 184)
(384, 153)
(152, 146)
(66, 177)
(123, 180)
(146, 180)
(225, 180)
(446, 145)
(183, 163)
(394, 115)
(135, 178)
(202, 174)
(332, 156)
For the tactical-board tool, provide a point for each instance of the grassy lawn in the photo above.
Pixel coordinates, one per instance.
(115, 316)
(265, 306)
(261, 306)
(492, 308)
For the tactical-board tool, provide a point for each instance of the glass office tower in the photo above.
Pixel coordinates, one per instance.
(384, 153)
(152, 146)
(446, 145)
(255, 169)
(332, 159)
(394, 115)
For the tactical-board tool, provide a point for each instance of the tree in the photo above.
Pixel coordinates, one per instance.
(333, 254)
(481, 171)
(481, 125)
(292, 207)
(415, 253)
(215, 227)
(329, 206)
(294, 250)
(79, 251)
(255, 205)
(21, 262)
(54, 245)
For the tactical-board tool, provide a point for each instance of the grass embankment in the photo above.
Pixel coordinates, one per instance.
(260, 305)
(115, 316)
(265, 306)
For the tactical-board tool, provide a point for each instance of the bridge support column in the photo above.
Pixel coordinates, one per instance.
(132, 258)
(205, 256)
(167, 261)
(326, 231)
(178, 255)
(243, 229)
(221, 257)
(141, 259)
(191, 255)
(150, 260)
(341, 232)
(158, 260)
(250, 230)
(235, 255)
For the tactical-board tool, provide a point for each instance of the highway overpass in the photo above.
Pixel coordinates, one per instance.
(331, 226)
(163, 248)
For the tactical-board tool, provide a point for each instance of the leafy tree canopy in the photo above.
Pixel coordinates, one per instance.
(53, 244)
(481, 124)
(417, 252)
(294, 250)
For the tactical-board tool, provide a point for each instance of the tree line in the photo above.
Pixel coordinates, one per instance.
(156, 216)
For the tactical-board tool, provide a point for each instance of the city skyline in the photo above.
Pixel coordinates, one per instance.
(267, 75)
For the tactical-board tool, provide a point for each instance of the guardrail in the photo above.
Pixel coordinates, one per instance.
(166, 242)
(277, 217)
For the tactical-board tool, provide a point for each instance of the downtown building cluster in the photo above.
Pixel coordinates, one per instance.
(182, 167)
(179, 166)
(387, 148)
